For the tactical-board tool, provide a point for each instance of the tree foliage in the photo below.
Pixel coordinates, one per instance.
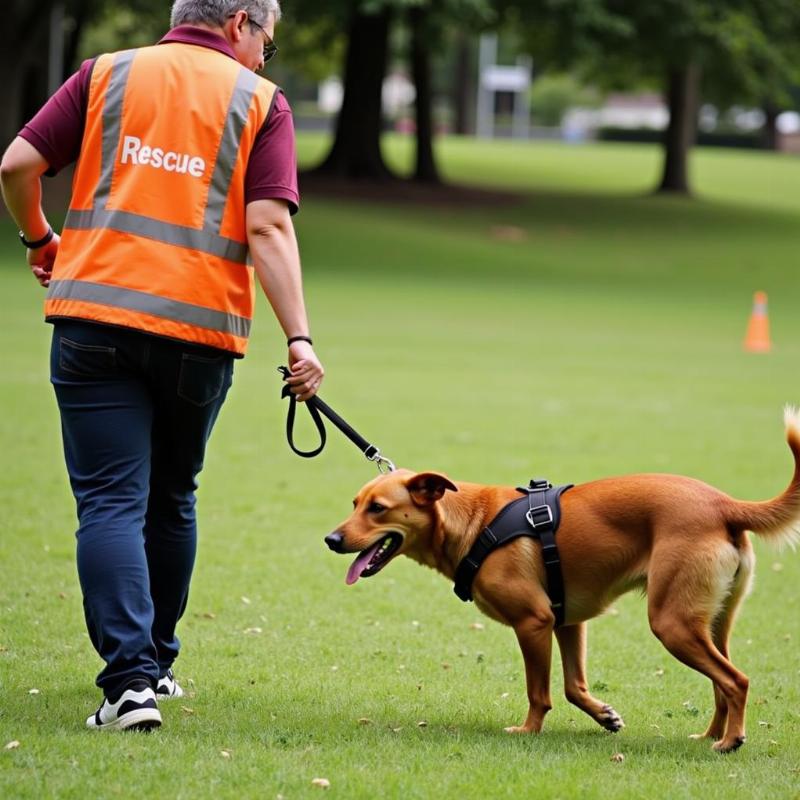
(745, 49)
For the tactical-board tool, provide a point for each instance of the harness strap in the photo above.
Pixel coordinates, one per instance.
(536, 515)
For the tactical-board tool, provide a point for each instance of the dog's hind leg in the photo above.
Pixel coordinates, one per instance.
(720, 634)
(535, 637)
(683, 600)
(572, 643)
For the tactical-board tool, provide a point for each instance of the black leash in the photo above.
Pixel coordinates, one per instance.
(316, 407)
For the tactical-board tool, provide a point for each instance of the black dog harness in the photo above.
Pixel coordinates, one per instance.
(536, 515)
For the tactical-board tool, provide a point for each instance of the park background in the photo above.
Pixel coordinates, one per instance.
(550, 300)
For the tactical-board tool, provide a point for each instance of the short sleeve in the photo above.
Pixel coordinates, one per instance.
(57, 129)
(272, 168)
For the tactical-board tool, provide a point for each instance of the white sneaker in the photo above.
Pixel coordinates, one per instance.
(135, 709)
(168, 687)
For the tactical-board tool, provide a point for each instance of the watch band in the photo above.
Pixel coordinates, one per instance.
(46, 239)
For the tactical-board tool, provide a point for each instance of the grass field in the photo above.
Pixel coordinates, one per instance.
(587, 330)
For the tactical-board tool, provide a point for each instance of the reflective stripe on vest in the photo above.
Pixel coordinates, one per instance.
(155, 237)
(150, 304)
(207, 240)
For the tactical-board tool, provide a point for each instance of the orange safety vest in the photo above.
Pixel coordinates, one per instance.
(155, 237)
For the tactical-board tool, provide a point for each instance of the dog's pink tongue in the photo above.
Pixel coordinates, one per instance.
(360, 564)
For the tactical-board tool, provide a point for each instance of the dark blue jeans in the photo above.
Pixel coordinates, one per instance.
(136, 413)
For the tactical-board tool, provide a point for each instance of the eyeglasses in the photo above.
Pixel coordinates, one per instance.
(270, 48)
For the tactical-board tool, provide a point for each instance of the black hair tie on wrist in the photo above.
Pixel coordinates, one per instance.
(294, 339)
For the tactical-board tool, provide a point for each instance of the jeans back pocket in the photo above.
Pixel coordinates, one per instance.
(88, 360)
(203, 378)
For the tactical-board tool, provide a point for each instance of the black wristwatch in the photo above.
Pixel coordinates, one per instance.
(46, 239)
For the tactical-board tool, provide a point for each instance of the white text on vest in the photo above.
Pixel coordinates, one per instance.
(134, 152)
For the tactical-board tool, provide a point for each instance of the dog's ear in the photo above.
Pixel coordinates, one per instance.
(426, 488)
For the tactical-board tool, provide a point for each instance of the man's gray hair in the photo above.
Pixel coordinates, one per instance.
(215, 12)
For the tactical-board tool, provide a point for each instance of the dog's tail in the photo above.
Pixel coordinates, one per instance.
(777, 520)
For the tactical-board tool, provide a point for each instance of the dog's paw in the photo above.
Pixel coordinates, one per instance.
(714, 735)
(610, 720)
(518, 729)
(728, 747)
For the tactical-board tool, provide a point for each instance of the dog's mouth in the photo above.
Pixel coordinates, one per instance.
(374, 558)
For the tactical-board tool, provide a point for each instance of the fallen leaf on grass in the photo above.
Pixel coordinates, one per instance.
(777, 566)
(477, 626)
(209, 615)
(617, 758)
(246, 600)
(321, 783)
(12, 745)
(225, 753)
(508, 233)
(252, 630)
(187, 710)
(33, 691)
(364, 721)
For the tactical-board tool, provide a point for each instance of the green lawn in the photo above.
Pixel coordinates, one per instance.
(587, 330)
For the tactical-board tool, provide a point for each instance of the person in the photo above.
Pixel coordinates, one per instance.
(184, 188)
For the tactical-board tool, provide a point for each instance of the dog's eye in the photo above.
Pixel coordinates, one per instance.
(375, 508)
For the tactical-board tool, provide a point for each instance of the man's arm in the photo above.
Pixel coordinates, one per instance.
(276, 258)
(20, 175)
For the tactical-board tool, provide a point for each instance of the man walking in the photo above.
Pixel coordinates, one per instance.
(184, 185)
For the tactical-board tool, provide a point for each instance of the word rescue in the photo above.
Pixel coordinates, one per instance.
(134, 152)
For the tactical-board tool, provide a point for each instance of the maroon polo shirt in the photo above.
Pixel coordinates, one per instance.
(57, 129)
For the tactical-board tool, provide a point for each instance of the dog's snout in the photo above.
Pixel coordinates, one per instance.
(335, 541)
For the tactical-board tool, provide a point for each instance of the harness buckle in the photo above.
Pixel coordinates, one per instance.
(539, 516)
(535, 485)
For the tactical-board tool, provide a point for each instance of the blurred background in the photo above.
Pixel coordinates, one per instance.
(674, 72)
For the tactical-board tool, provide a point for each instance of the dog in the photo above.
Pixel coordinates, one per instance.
(680, 541)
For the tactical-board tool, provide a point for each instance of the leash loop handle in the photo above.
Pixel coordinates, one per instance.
(290, 426)
(317, 407)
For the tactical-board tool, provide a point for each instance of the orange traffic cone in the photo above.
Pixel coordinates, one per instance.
(756, 339)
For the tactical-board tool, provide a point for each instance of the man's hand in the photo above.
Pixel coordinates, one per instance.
(41, 260)
(307, 371)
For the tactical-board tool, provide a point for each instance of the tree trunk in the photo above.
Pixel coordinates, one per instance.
(683, 92)
(356, 151)
(769, 133)
(23, 40)
(425, 169)
(11, 96)
(464, 87)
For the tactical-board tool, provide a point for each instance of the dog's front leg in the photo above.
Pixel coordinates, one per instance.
(572, 643)
(535, 637)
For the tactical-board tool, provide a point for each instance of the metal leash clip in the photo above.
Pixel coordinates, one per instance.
(384, 464)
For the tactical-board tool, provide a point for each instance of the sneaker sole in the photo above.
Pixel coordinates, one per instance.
(143, 720)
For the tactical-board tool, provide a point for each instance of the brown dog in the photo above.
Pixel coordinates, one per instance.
(681, 541)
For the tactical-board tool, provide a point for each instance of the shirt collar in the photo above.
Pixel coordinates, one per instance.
(190, 34)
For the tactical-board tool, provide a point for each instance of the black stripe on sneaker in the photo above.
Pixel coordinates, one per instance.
(132, 705)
